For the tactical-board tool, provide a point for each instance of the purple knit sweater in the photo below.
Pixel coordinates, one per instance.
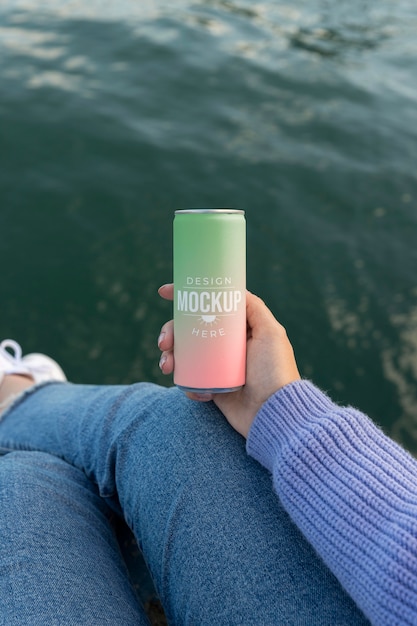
(351, 490)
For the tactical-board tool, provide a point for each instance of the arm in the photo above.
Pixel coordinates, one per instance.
(350, 489)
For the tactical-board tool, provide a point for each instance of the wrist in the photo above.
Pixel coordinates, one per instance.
(289, 412)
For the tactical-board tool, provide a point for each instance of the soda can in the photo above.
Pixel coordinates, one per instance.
(209, 300)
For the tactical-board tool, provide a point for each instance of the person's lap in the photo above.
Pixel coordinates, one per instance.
(59, 559)
(219, 545)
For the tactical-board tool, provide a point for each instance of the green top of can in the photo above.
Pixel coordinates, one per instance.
(236, 211)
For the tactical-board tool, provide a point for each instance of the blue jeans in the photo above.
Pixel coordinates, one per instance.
(218, 544)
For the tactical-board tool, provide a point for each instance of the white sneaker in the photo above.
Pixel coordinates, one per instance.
(39, 367)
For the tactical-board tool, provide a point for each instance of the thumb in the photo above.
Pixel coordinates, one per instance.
(259, 317)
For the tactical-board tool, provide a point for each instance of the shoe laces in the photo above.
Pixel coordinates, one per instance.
(15, 358)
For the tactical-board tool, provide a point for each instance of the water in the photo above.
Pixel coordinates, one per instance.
(115, 114)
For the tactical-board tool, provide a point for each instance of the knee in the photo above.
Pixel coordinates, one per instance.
(38, 491)
(25, 477)
(24, 464)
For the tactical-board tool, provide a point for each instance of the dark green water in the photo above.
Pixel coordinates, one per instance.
(302, 113)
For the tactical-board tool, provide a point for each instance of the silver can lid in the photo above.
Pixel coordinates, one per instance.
(236, 211)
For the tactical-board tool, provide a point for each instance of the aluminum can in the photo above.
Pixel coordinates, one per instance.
(209, 300)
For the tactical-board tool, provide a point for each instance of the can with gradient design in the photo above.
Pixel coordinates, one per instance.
(209, 299)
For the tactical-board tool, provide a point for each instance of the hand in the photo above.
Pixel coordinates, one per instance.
(270, 363)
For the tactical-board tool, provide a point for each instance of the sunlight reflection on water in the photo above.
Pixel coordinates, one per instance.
(113, 114)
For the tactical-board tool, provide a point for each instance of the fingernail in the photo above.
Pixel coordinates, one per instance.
(161, 338)
(162, 361)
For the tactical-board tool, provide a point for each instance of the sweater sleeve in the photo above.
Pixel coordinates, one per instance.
(351, 490)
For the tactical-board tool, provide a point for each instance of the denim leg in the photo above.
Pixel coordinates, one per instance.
(219, 545)
(59, 559)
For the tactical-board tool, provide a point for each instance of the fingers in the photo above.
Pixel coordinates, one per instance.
(167, 291)
(166, 336)
(166, 345)
(166, 362)
(259, 317)
(199, 397)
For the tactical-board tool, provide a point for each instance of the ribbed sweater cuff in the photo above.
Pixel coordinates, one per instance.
(350, 489)
(290, 411)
